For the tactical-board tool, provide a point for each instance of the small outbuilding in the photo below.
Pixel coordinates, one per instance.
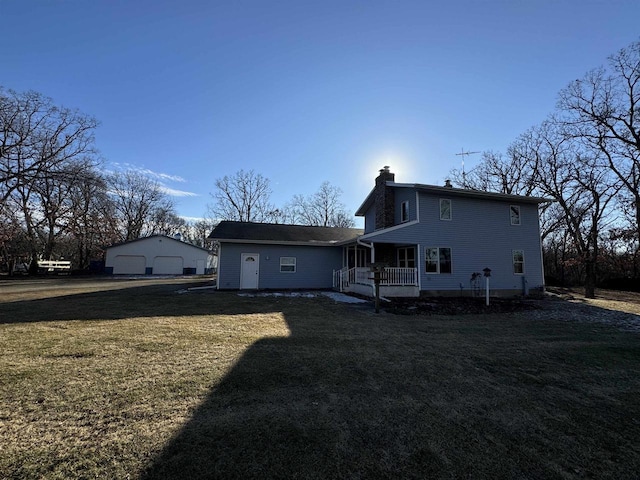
(158, 255)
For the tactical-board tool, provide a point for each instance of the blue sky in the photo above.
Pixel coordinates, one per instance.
(304, 92)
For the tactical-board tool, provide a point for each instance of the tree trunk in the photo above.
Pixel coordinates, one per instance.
(590, 279)
(33, 266)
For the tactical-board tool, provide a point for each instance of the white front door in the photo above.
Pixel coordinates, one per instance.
(249, 270)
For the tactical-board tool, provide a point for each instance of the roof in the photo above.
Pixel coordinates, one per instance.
(455, 192)
(249, 232)
(155, 236)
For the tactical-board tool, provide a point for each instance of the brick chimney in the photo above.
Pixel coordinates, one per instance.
(384, 199)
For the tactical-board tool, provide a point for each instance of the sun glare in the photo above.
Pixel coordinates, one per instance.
(396, 162)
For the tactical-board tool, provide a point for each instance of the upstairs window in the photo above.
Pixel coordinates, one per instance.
(518, 262)
(437, 260)
(515, 214)
(287, 264)
(404, 211)
(445, 209)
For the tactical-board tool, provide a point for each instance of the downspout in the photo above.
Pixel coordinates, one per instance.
(370, 246)
(218, 266)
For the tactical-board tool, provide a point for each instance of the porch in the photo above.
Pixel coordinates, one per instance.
(396, 281)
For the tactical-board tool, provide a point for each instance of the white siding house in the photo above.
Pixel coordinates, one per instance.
(428, 239)
(158, 255)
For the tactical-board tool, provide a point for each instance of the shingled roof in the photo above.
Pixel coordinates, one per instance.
(248, 232)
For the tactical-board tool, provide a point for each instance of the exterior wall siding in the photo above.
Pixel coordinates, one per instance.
(370, 220)
(314, 266)
(480, 235)
(404, 195)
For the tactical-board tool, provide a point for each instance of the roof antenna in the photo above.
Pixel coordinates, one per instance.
(464, 175)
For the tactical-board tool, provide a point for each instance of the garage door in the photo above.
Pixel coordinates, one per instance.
(167, 266)
(129, 265)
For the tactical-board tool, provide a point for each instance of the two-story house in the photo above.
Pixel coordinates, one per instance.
(431, 240)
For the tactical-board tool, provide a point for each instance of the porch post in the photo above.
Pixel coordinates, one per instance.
(373, 252)
(418, 266)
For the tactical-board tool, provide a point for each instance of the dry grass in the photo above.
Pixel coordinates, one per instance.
(143, 382)
(628, 302)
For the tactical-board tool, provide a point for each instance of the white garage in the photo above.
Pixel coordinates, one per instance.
(158, 255)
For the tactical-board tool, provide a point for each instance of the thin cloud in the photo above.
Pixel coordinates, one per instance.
(161, 178)
(177, 193)
(150, 173)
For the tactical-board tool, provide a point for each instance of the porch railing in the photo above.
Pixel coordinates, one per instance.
(400, 276)
(392, 276)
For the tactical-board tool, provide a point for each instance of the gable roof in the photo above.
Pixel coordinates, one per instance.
(141, 239)
(451, 191)
(250, 232)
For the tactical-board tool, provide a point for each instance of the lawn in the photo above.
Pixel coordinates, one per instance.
(146, 381)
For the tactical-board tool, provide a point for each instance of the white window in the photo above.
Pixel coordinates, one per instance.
(437, 260)
(445, 209)
(404, 211)
(518, 262)
(407, 257)
(287, 264)
(515, 214)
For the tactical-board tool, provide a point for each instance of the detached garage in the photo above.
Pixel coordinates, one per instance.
(158, 255)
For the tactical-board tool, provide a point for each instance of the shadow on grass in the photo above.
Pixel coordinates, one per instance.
(353, 395)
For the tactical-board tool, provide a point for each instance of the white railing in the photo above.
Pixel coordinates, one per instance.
(361, 275)
(339, 279)
(395, 276)
(400, 276)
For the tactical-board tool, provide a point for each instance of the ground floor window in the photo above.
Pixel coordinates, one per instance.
(287, 264)
(357, 257)
(438, 260)
(518, 262)
(407, 257)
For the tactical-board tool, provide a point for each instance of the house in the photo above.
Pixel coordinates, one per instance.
(276, 256)
(430, 240)
(158, 255)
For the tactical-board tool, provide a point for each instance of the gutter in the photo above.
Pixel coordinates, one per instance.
(368, 245)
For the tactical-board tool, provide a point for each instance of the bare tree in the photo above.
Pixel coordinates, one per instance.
(91, 221)
(581, 185)
(197, 233)
(495, 174)
(323, 208)
(165, 220)
(137, 201)
(36, 136)
(602, 109)
(14, 246)
(41, 148)
(243, 197)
